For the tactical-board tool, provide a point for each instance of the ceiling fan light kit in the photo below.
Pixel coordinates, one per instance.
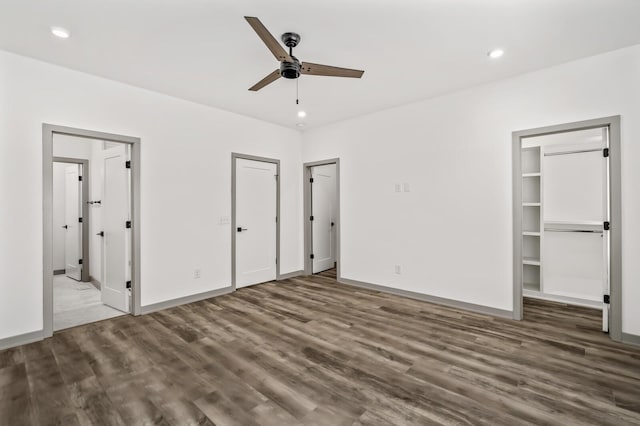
(290, 67)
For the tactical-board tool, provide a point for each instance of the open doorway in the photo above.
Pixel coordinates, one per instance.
(91, 241)
(322, 216)
(567, 222)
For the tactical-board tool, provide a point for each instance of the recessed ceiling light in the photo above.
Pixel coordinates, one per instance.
(302, 114)
(495, 53)
(60, 32)
(300, 124)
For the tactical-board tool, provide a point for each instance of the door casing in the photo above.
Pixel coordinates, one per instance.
(615, 233)
(234, 157)
(86, 261)
(48, 132)
(308, 231)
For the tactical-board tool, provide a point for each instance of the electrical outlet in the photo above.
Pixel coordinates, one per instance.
(224, 220)
(397, 270)
(196, 273)
(398, 187)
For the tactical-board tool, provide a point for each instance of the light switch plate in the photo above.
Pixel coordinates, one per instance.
(398, 187)
(406, 187)
(224, 220)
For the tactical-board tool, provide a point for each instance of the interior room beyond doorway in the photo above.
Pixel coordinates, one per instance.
(91, 243)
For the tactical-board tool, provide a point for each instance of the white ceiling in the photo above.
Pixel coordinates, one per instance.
(204, 51)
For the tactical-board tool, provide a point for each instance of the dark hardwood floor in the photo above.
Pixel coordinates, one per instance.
(311, 351)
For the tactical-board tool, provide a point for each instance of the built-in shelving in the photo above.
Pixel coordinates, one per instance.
(531, 218)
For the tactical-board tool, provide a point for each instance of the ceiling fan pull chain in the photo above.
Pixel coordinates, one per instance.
(297, 97)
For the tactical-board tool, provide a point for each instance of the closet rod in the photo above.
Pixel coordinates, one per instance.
(592, 231)
(548, 154)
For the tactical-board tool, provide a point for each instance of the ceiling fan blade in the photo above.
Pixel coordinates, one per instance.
(267, 80)
(327, 70)
(273, 45)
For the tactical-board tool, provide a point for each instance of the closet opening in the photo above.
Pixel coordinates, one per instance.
(567, 245)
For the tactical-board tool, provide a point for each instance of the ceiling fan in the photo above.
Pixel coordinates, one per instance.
(290, 66)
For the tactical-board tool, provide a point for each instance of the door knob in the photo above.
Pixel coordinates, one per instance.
(242, 229)
(65, 226)
(101, 234)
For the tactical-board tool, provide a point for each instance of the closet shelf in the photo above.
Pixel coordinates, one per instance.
(530, 204)
(531, 233)
(531, 287)
(575, 223)
(534, 174)
(531, 261)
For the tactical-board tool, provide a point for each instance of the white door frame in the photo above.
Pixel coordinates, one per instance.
(615, 233)
(308, 231)
(48, 131)
(86, 261)
(235, 156)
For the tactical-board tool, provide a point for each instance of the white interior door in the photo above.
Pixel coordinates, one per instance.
(256, 193)
(323, 210)
(117, 238)
(73, 227)
(576, 245)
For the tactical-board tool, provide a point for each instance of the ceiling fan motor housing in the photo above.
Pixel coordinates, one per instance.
(290, 70)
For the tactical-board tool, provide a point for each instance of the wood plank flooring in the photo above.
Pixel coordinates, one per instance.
(311, 351)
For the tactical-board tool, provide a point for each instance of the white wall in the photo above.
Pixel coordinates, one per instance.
(58, 215)
(186, 181)
(452, 234)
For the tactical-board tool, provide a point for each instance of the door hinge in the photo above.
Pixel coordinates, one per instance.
(80, 219)
(605, 152)
(128, 284)
(605, 299)
(127, 164)
(79, 261)
(311, 256)
(310, 217)
(276, 219)
(310, 180)
(128, 224)
(276, 260)
(80, 178)
(606, 226)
